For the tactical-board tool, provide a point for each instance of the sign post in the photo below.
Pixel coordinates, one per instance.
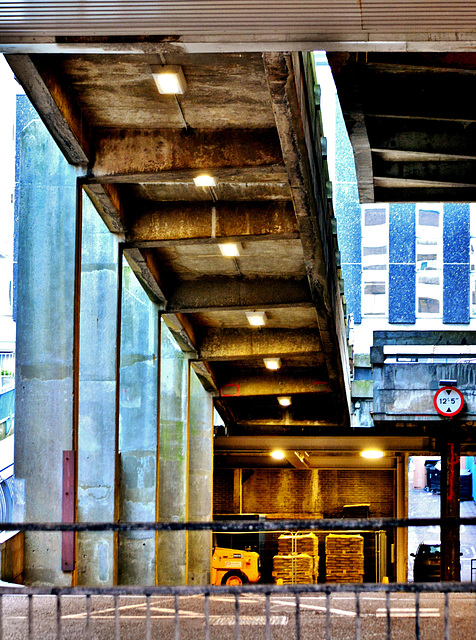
(449, 401)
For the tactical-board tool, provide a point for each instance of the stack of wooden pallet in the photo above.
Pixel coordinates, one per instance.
(295, 568)
(298, 559)
(344, 558)
(300, 543)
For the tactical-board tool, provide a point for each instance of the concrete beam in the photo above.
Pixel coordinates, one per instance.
(239, 344)
(59, 112)
(221, 293)
(259, 385)
(179, 222)
(297, 459)
(134, 154)
(107, 201)
(286, 82)
(324, 443)
(182, 331)
(143, 263)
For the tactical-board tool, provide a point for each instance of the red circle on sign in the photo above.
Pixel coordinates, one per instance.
(449, 391)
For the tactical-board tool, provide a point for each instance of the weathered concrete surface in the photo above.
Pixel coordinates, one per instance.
(200, 481)
(137, 431)
(172, 551)
(44, 344)
(97, 387)
(409, 389)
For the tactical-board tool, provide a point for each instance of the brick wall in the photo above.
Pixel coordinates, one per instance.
(315, 493)
(358, 486)
(223, 491)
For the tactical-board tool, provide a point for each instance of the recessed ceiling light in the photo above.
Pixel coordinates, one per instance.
(372, 454)
(284, 401)
(204, 180)
(272, 363)
(256, 318)
(169, 79)
(278, 454)
(230, 249)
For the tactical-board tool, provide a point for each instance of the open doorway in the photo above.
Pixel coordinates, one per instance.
(424, 501)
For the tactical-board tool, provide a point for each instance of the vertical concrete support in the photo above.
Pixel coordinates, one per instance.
(44, 387)
(200, 476)
(97, 406)
(173, 464)
(401, 535)
(449, 492)
(138, 430)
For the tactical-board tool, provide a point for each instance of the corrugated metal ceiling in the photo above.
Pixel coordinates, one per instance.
(262, 19)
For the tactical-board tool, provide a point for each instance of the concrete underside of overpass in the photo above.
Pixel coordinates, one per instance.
(122, 398)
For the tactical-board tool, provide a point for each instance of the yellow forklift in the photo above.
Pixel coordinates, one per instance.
(234, 567)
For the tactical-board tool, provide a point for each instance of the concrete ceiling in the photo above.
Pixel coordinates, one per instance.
(412, 125)
(252, 121)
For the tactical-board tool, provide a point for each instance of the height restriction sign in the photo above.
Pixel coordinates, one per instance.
(448, 401)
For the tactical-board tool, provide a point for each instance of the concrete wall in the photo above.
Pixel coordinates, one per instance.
(46, 233)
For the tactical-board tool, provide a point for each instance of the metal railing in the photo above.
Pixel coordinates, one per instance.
(327, 611)
(330, 611)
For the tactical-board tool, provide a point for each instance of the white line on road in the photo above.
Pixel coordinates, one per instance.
(339, 612)
(249, 620)
(401, 612)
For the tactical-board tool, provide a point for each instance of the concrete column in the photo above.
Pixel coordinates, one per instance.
(97, 393)
(200, 476)
(137, 431)
(44, 385)
(449, 492)
(401, 534)
(173, 464)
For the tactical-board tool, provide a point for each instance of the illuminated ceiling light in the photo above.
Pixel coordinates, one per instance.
(284, 401)
(277, 454)
(169, 79)
(205, 180)
(272, 363)
(230, 249)
(256, 318)
(372, 454)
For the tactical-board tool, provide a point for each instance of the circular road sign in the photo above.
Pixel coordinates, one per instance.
(448, 401)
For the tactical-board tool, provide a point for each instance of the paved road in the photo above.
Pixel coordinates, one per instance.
(131, 622)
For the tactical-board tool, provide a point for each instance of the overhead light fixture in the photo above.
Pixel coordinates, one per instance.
(230, 249)
(372, 454)
(277, 454)
(169, 79)
(284, 401)
(256, 318)
(272, 363)
(205, 180)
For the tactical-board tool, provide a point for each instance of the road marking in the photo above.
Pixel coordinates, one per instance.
(256, 621)
(409, 612)
(339, 612)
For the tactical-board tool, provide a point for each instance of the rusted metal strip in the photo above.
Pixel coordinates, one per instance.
(68, 510)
